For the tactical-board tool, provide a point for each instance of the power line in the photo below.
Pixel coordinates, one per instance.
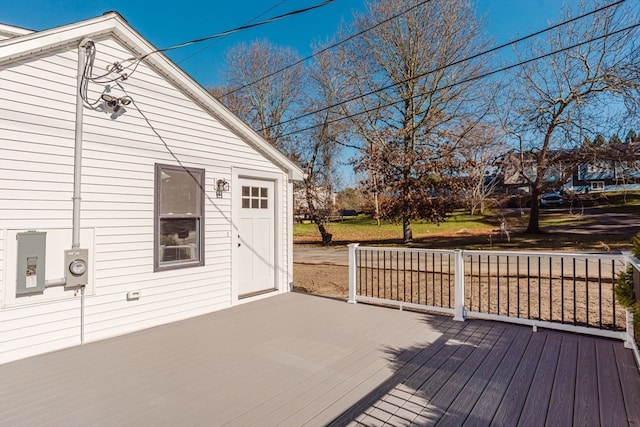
(477, 55)
(327, 48)
(118, 68)
(247, 23)
(169, 150)
(481, 76)
(242, 27)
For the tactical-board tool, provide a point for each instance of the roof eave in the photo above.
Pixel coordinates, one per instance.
(17, 48)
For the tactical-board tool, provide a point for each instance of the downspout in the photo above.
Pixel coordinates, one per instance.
(77, 168)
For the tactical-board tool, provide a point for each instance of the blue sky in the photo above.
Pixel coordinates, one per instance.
(167, 23)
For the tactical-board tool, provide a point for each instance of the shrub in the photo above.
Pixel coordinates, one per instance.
(624, 290)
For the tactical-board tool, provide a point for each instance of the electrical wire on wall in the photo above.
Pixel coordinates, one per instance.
(106, 102)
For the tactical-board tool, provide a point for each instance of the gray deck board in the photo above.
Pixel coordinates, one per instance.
(563, 391)
(630, 383)
(516, 394)
(484, 409)
(456, 383)
(586, 404)
(612, 411)
(297, 360)
(536, 404)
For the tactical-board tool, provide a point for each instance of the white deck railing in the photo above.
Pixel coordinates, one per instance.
(556, 290)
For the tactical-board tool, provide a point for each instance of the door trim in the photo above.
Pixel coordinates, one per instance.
(280, 270)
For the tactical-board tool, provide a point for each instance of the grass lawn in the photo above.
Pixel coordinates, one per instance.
(563, 229)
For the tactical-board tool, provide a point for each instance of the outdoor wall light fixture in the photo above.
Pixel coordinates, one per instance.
(114, 105)
(222, 185)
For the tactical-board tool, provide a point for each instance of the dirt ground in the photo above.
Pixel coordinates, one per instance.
(332, 281)
(321, 279)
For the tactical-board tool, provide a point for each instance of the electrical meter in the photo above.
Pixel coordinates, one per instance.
(76, 270)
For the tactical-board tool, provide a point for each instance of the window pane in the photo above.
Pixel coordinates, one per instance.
(245, 203)
(245, 191)
(179, 239)
(179, 192)
(263, 204)
(179, 213)
(263, 192)
(254, 191)
(254, 203)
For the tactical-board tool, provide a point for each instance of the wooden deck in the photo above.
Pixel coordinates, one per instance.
(298, 360)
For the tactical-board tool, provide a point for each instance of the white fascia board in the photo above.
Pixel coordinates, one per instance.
(69, 35)
(113, 24)
(12, 31)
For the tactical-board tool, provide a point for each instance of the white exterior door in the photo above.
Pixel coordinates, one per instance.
(256, 244)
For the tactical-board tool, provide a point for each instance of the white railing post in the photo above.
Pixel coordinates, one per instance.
(458, 275)
(353, 272)
(629, 340)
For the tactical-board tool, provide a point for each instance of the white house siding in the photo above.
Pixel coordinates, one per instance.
(37, 104)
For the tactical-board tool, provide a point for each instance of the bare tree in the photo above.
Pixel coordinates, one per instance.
(319, 146)
(412, 69)
(262, 100)
(481, 151)
(553, 102)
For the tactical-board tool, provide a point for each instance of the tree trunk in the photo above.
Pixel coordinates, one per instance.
(313, 213)
(407, 232)
(534, 213)
(326, 236)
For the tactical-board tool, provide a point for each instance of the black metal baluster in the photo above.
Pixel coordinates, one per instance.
(574, 291)
(411, 274)
(508, 285)
(489, 284)
(360, 272)
(528, 287)
(518, 281)
(550, 290)
(586, 274)
(449, 277)
(600, 292)
(613, 296)
(539, 288)
(498, 280)
(562, 290)
(433, 278)
(441, 280)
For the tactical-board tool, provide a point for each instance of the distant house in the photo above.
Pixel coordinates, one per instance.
(149, 204)
(517, 167)
(611, 169)
(619, 171)
(323, 199)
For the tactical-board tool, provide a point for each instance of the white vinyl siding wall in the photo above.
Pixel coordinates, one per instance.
(37, 99)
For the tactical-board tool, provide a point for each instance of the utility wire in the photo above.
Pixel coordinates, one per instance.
(169, 150)
(241, 28)
(117, 67)
(477, 55)
(481, 76)
(352, 36)
(215, 41)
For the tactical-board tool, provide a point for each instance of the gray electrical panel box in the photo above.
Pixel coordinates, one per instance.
(76, 267)
(32, 248)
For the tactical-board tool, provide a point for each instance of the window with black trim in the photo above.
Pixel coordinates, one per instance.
(179, 217)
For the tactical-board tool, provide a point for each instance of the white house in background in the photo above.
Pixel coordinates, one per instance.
(159, 242)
